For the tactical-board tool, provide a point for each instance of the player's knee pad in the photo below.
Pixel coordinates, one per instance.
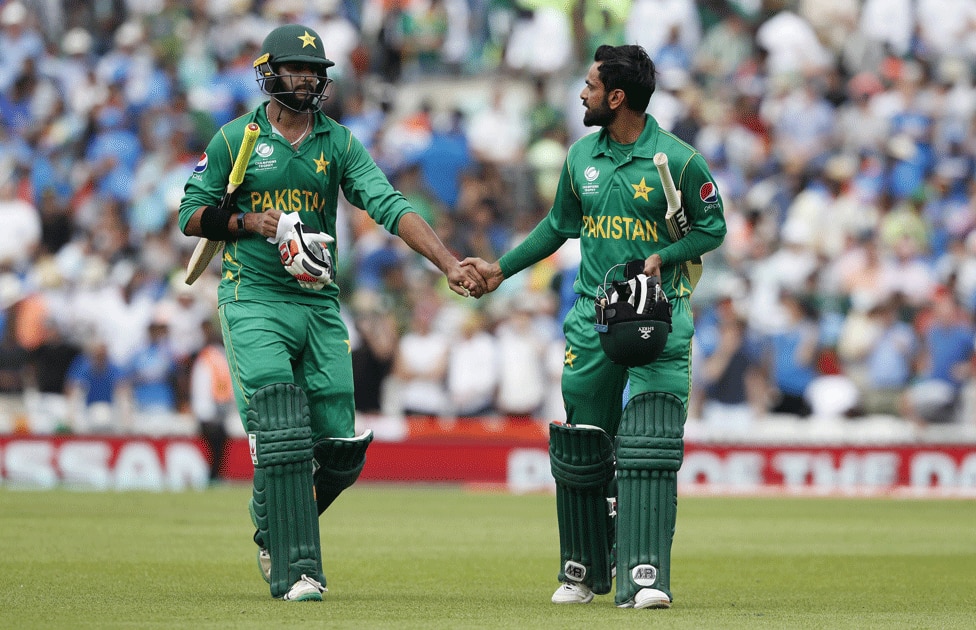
(280, 441)
(338, 464)
(649, 449)
(581, 457)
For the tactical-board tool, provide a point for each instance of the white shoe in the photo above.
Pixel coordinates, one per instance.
(305, 590)
(264, 564)
(651, 598)
(572, 594)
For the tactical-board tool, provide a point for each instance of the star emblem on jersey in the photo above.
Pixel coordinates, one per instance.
(641, 189)
(307, 40)
(321, 164)
(570, 357)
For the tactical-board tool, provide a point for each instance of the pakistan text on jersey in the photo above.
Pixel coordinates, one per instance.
(617, 228)
(287, 200)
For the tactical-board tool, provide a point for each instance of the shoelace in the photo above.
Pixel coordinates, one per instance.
(314, 583)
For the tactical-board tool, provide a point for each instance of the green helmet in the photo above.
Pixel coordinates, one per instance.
(292, 43)
(633, 317)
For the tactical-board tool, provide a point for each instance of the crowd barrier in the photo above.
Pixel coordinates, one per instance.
(500, 455)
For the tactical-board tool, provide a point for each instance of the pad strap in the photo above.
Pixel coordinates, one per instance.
(338, 464)
(280, 440)
(649, 448)
(581, 457)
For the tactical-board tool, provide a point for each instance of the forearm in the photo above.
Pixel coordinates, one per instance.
(234, 223)
(421, 238)
(542, 242)
(692, 246)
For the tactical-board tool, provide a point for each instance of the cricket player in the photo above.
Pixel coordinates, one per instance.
(610, 196)
(278, 303)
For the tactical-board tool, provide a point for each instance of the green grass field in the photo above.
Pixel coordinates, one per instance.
(408, 557)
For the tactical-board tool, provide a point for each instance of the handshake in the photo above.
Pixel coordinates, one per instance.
(474, 277)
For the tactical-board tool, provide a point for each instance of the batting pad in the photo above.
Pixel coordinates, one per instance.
(649, 450)
(338, 463)
(280, 440)
(581, 457)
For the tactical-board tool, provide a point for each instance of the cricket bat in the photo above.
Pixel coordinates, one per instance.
(676, 216)
(206, 249)
(671, 192)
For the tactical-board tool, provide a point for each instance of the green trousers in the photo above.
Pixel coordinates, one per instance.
(593, 386)
(282, 342)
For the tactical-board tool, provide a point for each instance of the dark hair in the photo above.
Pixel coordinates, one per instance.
(628, 68)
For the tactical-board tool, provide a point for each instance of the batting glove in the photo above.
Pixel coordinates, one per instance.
(305, 255)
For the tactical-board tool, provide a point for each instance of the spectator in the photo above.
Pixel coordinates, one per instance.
(540, 43)
(523, 360)
(944, 363)
(420, 366)
(472, 372)
(212, 395)
(877, 350)
(21, 233)
(445, 160)
(20, 41)
(374, 351)
(730, 373)
(152, 375)
(98, 394)
(653, 23)
(46, 381)
(792, 354)
(497, 133)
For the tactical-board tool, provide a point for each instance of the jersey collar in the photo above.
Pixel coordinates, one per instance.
(646, 144)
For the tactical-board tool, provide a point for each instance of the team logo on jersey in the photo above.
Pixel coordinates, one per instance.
(591, 173)
(708, 193)
(201, 165)
(264, 150)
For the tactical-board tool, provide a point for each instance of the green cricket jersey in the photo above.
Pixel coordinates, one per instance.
(306, 180)
(610, 197)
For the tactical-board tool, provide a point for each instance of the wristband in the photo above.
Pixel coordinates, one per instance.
(213, 223)
(240, 223)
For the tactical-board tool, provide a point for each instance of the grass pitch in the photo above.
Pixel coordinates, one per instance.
(408, 557)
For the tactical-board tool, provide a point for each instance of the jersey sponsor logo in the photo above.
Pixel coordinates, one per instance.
(708, 192)
(201, 165)
(644, 575)
(264, 150)
(591, 173)
(574, 571)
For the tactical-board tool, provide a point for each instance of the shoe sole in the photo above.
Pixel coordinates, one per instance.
(574, 601)
(308, 597)
(653, 603)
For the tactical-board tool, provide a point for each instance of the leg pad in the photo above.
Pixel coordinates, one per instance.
(280, 440)
(581, 457)
(649, 449)
(338, 464)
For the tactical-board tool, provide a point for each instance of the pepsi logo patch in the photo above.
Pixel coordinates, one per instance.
(201, 165)
(708, 193)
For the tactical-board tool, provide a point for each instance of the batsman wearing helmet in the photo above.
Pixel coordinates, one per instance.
(615, 469)
(278, 302)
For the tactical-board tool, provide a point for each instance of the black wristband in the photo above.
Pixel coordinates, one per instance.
(240, 224)
(213, 223)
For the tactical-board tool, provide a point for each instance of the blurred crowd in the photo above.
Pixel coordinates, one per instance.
(840, 133)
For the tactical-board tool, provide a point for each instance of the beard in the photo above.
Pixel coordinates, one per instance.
(304, 102)
(599, 116)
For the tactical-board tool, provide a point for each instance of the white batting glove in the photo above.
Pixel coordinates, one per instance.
(305, 255)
